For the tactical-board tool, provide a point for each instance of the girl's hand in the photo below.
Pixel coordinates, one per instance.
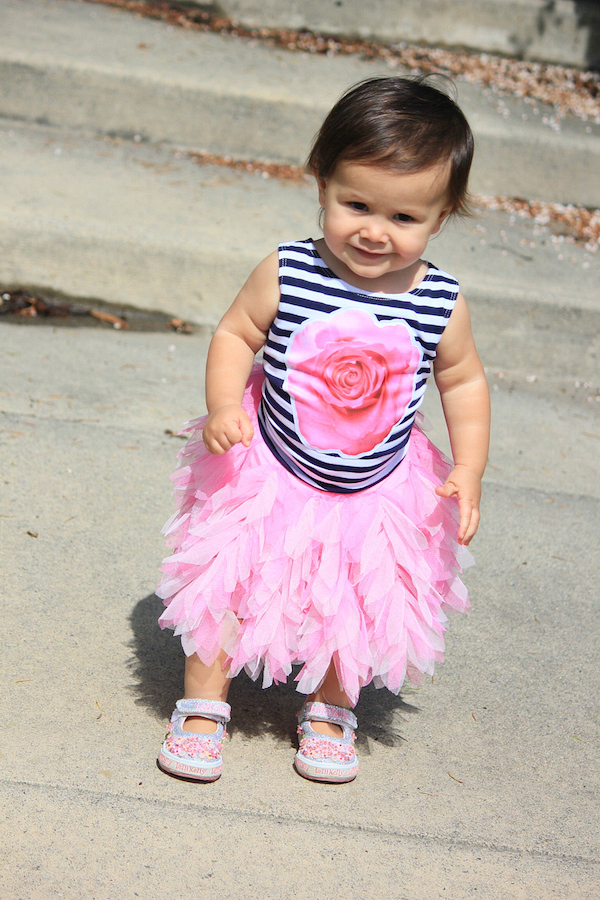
(465, 485)
(226, 426)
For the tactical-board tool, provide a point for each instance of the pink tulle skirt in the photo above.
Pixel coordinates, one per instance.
(278, 573)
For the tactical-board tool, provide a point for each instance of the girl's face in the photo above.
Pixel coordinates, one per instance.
(376, 223)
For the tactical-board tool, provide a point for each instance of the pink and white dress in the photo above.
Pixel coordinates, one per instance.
(324, 540)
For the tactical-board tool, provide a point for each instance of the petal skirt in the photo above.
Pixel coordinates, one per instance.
(277, 573)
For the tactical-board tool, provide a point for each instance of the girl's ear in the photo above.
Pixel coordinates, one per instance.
(322, 186)
(441, 219)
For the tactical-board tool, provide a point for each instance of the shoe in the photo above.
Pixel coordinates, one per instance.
(188, 754)
(321, 757)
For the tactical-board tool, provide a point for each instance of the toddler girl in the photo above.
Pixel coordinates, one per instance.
(316, 523)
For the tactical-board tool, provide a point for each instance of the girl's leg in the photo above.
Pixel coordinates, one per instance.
(205, 683)
(330, 692)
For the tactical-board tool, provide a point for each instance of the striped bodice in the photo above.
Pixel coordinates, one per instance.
(346, 370)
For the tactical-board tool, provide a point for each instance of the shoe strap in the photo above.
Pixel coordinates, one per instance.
(216, 710)
(324, 712)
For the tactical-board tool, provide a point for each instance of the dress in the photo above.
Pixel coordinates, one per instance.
(324, 540)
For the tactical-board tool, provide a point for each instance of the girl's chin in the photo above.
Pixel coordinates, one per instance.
(367, 268)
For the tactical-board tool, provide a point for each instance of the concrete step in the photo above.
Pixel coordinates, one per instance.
(92, 68)
(563, 31)
(144, 225)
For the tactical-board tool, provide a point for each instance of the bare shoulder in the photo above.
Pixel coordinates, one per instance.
(266, 271)
(258, 299)
(457, 340)
(262, 287)
(459, 323)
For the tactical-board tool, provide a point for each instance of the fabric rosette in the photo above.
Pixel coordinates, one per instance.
(351, 379)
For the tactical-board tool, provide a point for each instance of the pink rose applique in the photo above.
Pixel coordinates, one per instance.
(351, 379)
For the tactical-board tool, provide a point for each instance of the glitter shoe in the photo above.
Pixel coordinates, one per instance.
(188, 754)
(324, 758)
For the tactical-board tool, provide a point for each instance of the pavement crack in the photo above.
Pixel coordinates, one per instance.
(238, 812)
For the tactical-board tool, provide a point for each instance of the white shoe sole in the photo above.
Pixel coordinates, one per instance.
(174, 765)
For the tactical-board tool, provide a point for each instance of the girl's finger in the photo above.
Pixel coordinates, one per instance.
(471, 525)
(247, 432)
(447, 490)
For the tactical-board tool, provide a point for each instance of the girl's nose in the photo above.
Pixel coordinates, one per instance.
(374, 230)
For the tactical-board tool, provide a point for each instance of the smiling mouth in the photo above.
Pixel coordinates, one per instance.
(368, 254)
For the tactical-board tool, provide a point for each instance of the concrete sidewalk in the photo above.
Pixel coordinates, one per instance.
(484, 781)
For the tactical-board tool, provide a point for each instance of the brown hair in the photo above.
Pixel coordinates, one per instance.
(403, 124)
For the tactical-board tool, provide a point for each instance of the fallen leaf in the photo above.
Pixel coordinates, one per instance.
(180, 326)
(115, 321)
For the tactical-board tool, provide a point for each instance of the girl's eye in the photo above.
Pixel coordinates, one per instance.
(359, 207)
(403, 217)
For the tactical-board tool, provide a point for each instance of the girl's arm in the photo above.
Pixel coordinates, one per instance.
(239, 336)
(465, 397)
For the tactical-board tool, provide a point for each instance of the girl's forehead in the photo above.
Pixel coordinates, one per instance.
(428, 184)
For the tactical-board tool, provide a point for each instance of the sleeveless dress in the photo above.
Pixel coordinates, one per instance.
(324, 540)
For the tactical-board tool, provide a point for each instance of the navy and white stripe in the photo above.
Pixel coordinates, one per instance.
(309, 291)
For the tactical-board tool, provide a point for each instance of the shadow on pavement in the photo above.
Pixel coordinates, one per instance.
(587, 15)
(157, 668)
